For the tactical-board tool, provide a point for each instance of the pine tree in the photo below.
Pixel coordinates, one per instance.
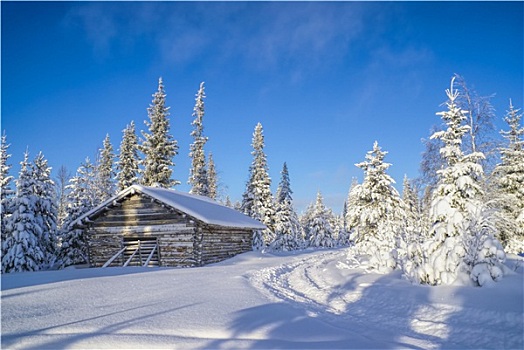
(5, 178)
(46, 211)
(344, 214)
(288, 231)
(341, 233)
(158, 145)
(6, 192)
(321, 233)
(257, 200)
(105, 172)
(509, 181)
(416, 226)
(82, 198)
(127, 166)
(212, 178)
(284, 187)
(375, 199)
(198, 178)
(376, 213)
(458, 230)
(305, 220)
(237, 205)
(61, 181)
(350, 201)
(414, 218)
(22, 248)
(228, 202)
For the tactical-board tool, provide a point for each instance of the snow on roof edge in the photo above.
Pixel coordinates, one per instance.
(186, 203)
(202, 208)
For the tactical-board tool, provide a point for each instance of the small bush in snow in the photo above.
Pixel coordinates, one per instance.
(484, 253)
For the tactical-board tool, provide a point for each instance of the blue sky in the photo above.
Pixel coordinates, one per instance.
(325, 79)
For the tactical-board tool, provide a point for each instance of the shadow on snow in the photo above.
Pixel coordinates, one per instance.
(387, 313)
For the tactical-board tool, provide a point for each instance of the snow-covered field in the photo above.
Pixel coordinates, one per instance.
(305, 300)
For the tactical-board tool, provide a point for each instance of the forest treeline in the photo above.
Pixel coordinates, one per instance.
(456, 221)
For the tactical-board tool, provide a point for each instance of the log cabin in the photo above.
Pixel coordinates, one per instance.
(152, 226)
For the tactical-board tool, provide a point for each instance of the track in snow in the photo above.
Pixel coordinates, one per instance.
(387, 307)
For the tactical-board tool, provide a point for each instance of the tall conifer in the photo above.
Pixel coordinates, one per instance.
(212, 177)
(46, 210)
(158, 145)
(288, 231)
(257, 200)
(127, 166)
(321, 233)
(6, 191)
(462, 239)
(284, 187)
(509, 180)
(81, 198)
(198, 178)
(376, 213)
(105, 171)
(22, 244)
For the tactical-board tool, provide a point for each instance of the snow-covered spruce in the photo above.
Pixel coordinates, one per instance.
(375, 216)
(46, 211)
(349, 202)
(128, 160)
(415, 228)
(509, 183)
(257, 200)
(212, 177)
(288, 231)
(198, 178)
(81, 199)
(343, 237)
(461, 242)
(105, 174)
(337, 223)
(158, 146)
(304, 219)
(6, 191)
(22, 248)
(61, 182)
(321, 234)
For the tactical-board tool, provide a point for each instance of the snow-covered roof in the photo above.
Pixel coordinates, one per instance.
(201, 208)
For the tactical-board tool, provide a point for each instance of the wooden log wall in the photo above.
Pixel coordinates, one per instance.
(181, 241)
(139, 216)
(102, 247)
(221, 243)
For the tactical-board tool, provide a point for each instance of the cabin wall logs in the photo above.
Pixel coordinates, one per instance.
(182, 241)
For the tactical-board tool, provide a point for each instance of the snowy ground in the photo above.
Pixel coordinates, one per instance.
(306, 300)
